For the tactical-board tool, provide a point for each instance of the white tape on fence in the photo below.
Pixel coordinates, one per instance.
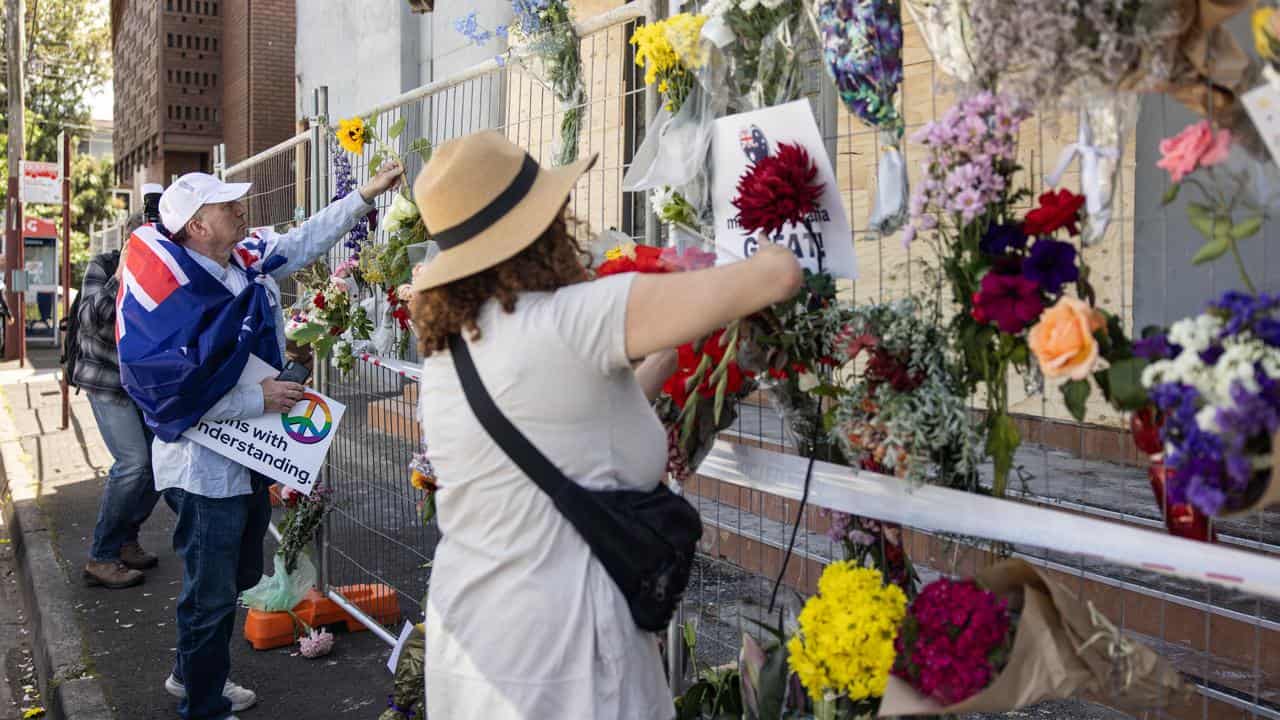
(961, 513)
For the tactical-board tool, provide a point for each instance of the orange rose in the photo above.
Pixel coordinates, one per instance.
(1063, 340)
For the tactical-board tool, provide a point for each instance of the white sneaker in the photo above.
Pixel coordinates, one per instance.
(241, 698)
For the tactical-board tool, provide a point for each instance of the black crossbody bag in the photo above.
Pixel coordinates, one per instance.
(645, 540)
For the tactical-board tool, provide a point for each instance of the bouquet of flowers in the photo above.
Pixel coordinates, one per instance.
(844, 648)
(546, 27)
(422, 476)
(1012, 637)
(766, 40)
(862, 49)
(669, 52)
(1003, 270)
(327, 317)
(955, 640)
(700, 398)
(902, 411)
(866, 540)
(1215, 378)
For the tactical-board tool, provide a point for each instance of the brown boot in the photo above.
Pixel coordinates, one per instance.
(134, 557)
(113, 575)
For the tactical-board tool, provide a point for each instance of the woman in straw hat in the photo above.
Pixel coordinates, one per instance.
(522, 621)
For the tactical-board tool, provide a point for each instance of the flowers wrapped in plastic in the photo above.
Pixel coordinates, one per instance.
(762, 43)
(546, 27)
(673, 153)
(862, 50)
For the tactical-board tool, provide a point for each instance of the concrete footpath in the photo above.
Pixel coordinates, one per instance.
(103, 654)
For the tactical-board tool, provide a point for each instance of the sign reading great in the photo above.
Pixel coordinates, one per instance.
(740, 141)
(289, 448)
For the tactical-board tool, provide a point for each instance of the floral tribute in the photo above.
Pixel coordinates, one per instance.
(700, 398)
(1215, 378)
(546, 28)
(327, 316)
(844, 648)
(669, 52)
(1004, 271)
(422, 476)
(765, 60)
(955, 640)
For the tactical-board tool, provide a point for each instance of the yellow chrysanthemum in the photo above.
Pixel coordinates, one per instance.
(351, 135)
(845, 642)
(422, 481)
(1266, 32)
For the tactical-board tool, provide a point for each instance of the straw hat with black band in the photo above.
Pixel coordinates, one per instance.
(483, 200)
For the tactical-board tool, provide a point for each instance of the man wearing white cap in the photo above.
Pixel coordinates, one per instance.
(223, 509)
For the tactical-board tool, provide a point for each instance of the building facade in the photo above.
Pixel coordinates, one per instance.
(190, 74)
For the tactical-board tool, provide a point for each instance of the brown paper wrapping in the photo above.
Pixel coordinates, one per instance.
(1062, 647)
(1211, 68)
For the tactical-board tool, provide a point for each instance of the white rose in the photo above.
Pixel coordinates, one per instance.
(402, 213)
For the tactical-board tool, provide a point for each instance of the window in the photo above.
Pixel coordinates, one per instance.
(204, 79)
(187, 112)
(168, 5)
(170, 39)
(215, 44)
(169, 75)
(214, 78)
(215, 8)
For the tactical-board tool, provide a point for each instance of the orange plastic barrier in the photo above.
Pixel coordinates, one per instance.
(269, 630)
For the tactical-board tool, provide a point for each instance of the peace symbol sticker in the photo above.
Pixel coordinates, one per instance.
(312, 424)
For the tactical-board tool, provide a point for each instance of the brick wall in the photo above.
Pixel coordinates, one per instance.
(135, 32)
(259, 71)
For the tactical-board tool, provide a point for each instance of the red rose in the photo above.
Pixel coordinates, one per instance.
(335, 330)
(777, 374)
(318, 301)
(1057, 209)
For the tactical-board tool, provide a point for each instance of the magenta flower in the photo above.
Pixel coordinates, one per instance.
(1012, 302)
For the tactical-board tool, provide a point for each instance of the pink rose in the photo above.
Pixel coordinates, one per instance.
(1196, 146)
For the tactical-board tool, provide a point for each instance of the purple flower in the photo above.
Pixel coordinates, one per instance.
(1156, 347)
(1002, 238)
(1268, 331)
(1211, 354)
(969, 204)
(1051, 265)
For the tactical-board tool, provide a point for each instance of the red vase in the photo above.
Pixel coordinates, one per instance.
(1182, 519)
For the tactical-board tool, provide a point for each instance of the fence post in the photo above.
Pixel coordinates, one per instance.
(656, 10)
(315, 196)
(220, 161)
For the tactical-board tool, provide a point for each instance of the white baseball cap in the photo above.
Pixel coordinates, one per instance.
(181, 200)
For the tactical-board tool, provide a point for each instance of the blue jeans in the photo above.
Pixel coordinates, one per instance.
(220, 541)
(130, 494)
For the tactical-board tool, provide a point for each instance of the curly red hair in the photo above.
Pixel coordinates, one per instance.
(552, 261)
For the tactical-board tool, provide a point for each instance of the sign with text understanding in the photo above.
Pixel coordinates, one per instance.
(287, 447)
(738, 142)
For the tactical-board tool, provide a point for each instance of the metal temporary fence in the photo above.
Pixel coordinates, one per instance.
(1082, 506)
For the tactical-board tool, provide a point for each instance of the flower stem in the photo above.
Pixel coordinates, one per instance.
(1244, 274)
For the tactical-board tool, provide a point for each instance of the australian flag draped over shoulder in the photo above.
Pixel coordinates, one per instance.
(184, 338)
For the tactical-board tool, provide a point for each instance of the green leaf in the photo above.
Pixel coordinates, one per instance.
(1002, 441)
(375, 160)
(1076, 394)
(721, 387)
(422, 146)
(1202, 219)
(689, 421)
(1211, 251)
(396, 128)
(690, 636)
(1171, 194)
(1124, 379)
(1246, 228)
(773, 683)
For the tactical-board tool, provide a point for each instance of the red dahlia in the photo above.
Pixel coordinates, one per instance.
(778, 190)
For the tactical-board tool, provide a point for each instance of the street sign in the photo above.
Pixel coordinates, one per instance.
(41, 183)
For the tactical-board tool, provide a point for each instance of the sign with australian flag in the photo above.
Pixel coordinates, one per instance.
(741, 140)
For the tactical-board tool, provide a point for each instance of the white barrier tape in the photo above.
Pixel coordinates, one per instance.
(961, 513)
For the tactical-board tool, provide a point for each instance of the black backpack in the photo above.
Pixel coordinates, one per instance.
(70, 325)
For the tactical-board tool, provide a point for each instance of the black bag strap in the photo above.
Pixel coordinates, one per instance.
(528, 458)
